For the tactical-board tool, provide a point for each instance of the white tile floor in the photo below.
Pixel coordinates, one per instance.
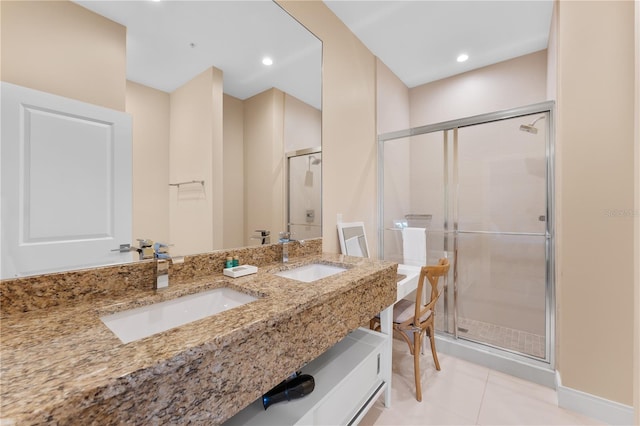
(462, 393)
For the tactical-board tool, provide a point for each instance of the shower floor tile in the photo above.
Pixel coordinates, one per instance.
(497, 335)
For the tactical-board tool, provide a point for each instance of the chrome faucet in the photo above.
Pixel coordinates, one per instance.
(265, 236)
(162, 274)
(285, 238)
(162, 265)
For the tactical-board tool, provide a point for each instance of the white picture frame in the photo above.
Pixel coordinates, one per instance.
(353, 239)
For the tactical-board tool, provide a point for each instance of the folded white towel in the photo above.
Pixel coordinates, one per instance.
(414, 246)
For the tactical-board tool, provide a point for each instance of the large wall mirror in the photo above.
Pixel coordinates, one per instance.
(263, 112)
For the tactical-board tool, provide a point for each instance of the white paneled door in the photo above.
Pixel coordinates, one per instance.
(66, 183)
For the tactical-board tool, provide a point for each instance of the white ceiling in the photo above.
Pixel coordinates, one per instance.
(233, 36)
(418, 40)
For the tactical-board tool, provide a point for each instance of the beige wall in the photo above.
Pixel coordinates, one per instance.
(149, 109)
(393, 114)
(552, 56)
(348, 123)
(264, 164)
(302, 125)
(636, 334)
(196, 154)
(513, 83)
(392, 105)
(217, 159)
(595, 243)
(62, 48)
(233, 116)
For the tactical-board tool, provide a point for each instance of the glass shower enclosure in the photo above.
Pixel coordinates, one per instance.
(304, 193)
(487, 184)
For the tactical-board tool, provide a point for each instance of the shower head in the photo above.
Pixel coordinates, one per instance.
(530, 128)
(308, 178)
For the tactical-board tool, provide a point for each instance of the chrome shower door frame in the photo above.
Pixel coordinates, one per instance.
(549, 233)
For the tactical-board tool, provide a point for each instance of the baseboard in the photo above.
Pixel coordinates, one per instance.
(536, 372)
(598, 408)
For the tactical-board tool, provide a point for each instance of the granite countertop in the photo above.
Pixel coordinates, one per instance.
(63, 365)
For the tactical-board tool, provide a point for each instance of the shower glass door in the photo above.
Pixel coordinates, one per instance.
(304, 193)
(487, 183)
(500, 216)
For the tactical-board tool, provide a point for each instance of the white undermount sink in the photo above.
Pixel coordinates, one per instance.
(145, 321)
(311, 272)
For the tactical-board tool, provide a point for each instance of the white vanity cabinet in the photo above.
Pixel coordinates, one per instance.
(348, 379)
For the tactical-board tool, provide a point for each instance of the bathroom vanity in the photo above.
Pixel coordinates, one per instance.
(60, 363)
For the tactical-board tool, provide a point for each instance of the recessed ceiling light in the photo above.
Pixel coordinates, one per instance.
(462, 57)
(267, 61)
